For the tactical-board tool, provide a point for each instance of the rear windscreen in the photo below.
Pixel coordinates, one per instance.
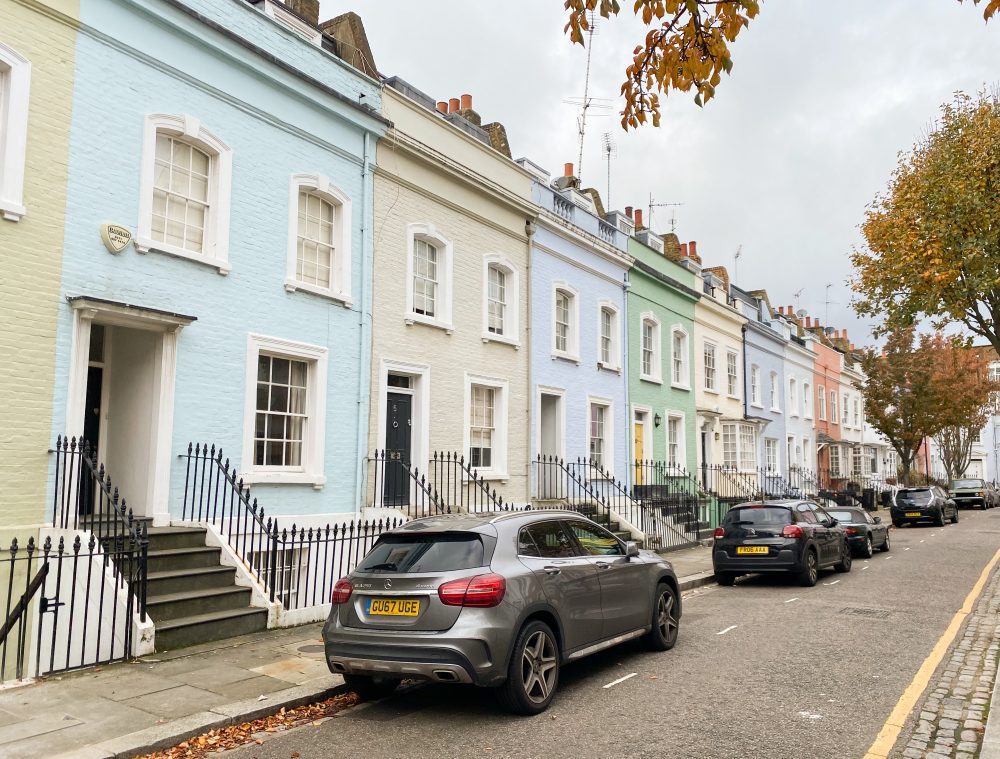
(759, 515)
(845, 516)
(955, 484)
(914, 496)
(424, 553)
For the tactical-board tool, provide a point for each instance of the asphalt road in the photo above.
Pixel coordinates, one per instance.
(762, 669)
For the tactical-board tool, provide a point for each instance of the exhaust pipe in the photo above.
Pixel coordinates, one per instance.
(445, 676)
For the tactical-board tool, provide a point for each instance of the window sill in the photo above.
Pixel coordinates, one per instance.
(145, 245)
(775, 410)
(11, 211)
(559, 355)
(601, 366)
(344, 299)
(678, 386)
(489, 337)
(650, 378)
(411, 319)
(732, 397)
(758, 405)
(252, 477)
(488, 474)
(711, 390)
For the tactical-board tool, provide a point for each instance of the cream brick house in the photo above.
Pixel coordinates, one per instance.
(450, 308)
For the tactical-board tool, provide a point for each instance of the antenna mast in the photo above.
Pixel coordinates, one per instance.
(673, 212)
(610, 151)
(736, 262)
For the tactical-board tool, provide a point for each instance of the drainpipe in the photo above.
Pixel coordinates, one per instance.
(529, 231)
(630, 421)
(364, 345)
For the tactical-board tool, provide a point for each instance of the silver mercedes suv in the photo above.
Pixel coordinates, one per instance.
(500, 600)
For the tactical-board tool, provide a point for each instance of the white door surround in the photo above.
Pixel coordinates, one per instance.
(154, 502)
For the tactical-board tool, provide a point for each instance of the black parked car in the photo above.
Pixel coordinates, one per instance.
(973, 493)
(792, 536)
(864, 532)
(924, 504)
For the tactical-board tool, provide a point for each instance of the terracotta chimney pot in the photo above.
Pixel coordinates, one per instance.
(453, 105)
(693, 247)
(791, 311)
(466, 102)
(808, 322)
(638, 217)
(442, 106)
(684, 250)
(567, 169)
(628, 211)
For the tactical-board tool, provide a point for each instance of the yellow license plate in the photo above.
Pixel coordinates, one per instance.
(913, 514)
(750, 549)
(393, 607)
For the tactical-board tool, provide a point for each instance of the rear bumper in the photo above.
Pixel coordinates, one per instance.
(783, 560)
(900, 515)
(969, 500)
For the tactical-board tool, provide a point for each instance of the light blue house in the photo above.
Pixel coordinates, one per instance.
(237, 148)
(764, 344)
(579, 386)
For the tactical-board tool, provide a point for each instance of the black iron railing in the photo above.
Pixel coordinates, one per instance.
(84, 498)
(679, 494)
(62, 605)
(296, 566)
(460, 486)
(395, 484)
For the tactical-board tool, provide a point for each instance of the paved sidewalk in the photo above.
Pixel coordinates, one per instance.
(122, 710)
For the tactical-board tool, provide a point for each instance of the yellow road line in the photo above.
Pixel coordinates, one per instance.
(894, 725)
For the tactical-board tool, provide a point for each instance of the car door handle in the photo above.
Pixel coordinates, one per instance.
(551, 570)
(602, 565)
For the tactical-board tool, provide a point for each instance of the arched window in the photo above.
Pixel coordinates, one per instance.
(608, 352)
(565, 322)
(429, 277)
(501, 301)
(319, 238)
(650, 365)
(15, 84)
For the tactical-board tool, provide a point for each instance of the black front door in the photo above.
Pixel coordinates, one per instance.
(398, 449)
(91, 434)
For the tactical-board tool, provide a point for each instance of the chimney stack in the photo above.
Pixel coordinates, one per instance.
(453, 105)
(442, 106)
(638, 218)
(307, 9)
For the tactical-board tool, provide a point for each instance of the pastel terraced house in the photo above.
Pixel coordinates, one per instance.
(449, 376)
(37, 61)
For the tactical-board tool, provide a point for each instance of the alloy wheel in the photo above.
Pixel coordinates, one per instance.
(811, 563)
(538, 666)
(665, 618)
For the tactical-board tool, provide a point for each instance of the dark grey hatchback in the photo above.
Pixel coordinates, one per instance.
(496, 600)
(791, 536)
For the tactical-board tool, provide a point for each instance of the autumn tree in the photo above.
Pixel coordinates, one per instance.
(963, 377)
(933, 240)
(686, 47)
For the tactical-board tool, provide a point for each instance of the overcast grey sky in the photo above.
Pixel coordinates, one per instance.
(798, 141)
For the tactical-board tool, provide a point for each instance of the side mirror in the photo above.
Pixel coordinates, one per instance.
(832, 522)
(877, 520)
(631, 548)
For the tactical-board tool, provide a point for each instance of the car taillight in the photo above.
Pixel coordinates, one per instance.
(720, 533)
(791, 531)
(850, 531)
(481, 591)
(341, 592)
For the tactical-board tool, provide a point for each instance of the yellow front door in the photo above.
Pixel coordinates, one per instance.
(639, 453)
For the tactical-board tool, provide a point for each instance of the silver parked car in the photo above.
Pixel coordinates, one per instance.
(497, 600)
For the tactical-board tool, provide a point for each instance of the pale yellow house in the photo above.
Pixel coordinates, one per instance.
(37, 45)
(450, 358)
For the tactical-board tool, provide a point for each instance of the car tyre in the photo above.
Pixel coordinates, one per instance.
(897, 525)
(939, 519)
(666, 625)
(844, 565)
(533, 672)
(725, 578)
(370, 687)
(954, 515)
(885, 546)
(810, 570)
(868, 550)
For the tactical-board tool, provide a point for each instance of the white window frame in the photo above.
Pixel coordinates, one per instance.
(340, 265)
(312, 469)
(772, 464)
(572, 352)
(835, 461)
(793, 402)
(681, 419)
(732, 378)
(498, 470)
(215, 246)
(821, 402)
(755, 386)
(656, 362)
(685, 381)
(512, 301)
(834, 409)
(857, 412)
(742, 451)
(608, 462)
(775, 391)
(807, 400)
(714, 386)
(15, 93)
(446, 254)
(615, 364)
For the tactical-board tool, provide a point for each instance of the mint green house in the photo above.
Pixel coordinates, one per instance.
(664, 287)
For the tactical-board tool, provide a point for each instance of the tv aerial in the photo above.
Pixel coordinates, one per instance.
(673, 212)
(610, 151)
(600, 106)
